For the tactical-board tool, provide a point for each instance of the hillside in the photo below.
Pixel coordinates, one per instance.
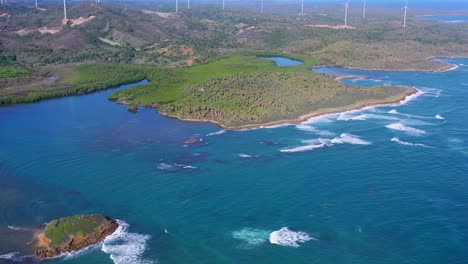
(112, 34)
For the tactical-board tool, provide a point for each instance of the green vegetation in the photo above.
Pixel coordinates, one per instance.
(12, 72)
(69, 80)
(246, 89)
(62, 230)
(166, 85)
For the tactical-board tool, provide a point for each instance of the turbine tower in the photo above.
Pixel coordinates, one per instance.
(34, 1)
(223, 4)
(346, 13)
(406, 11)
(65, 9)
(188, 4)
(261, 6)
(302, 7)
(176, 6)
(364, 8)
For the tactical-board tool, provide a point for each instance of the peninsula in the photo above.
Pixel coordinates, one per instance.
(71, 234)
(247, 91)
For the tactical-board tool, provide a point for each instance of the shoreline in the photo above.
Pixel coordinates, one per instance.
(446, 66)
(303, 118)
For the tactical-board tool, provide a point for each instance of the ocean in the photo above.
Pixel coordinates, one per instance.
(380, 185)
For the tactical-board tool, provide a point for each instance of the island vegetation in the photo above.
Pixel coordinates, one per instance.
(72, 233)
(247, 91)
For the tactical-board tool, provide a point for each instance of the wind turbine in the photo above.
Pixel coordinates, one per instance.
(176, 6)
(406, 11)
(223, 4)
(364, 8)
(261, 7)
(346, 13)
(302, 7)
(34, 1)
(188, 4)
(65, 9)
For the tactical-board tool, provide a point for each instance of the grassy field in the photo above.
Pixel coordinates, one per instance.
(62, 230)
(12, 72)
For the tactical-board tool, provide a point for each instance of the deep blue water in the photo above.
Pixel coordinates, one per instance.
(368, 192)
(452, 19)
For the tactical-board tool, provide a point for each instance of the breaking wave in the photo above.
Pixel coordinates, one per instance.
(439, 117)
(247, 156)
(327, 142)
(18, 228)
(10, 256)
(289, 238)
(350, 139)
(174, 167)
(125, 247)
(216, 133)
(407, 129)
(311, 145)
(251, 236)
(16, 257)
(397, 140)
(312, 129)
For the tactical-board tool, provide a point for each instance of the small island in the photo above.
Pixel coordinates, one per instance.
(72, 233)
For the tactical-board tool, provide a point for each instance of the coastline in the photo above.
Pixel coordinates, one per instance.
(445, 66)
(302, 118)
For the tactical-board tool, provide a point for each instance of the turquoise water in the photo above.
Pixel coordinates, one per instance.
(452, 19)
(284, 62)
(381, 185)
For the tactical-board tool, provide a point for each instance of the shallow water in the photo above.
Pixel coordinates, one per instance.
(284, 62)
(368, 188)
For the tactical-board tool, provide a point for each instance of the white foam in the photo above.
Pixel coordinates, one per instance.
(307, 128)
(350, 139)
(125, 247)
(439, 117)
(404, 128)
(174, 167)
(397, 140)
(286, 237)
(247, 156)
(373, 116)
(393, 111)
(251, 236)
(311, 145)
(327, 118)
(216, 133)
(18, 228)
(10, 256)
(326, 142)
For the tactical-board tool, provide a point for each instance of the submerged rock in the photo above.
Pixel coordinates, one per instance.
(72, 233)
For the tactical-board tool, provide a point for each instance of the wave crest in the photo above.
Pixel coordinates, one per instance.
(125, 247)
(405, 128)
(289, 238)
(397, 140)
